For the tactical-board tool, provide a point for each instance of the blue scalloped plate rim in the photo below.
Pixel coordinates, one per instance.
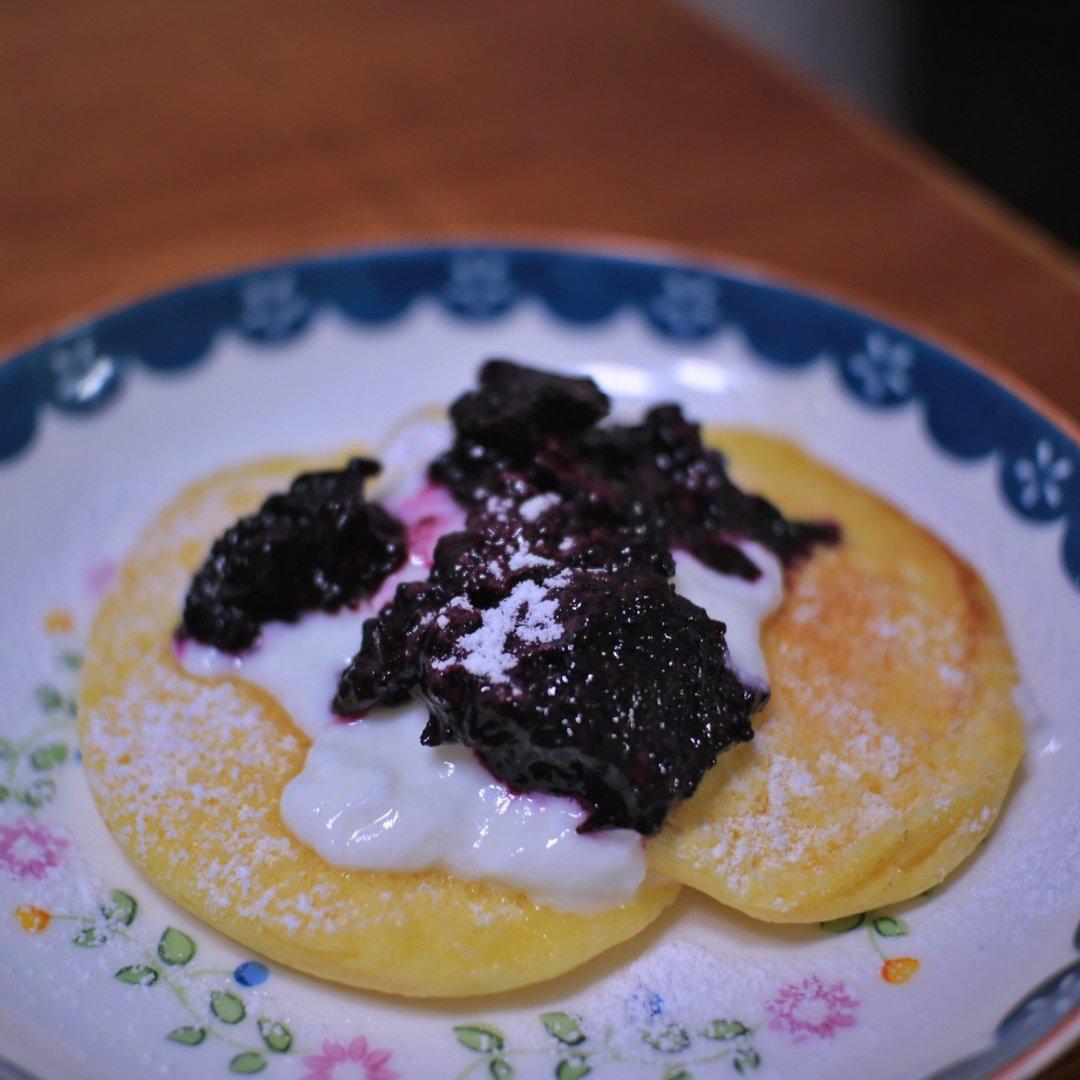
(967, 414)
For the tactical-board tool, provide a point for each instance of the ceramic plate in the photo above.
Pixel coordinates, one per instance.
(104, 423)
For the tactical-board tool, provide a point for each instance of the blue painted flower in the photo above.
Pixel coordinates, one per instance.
(1041, 478)
(687, 307)
(881, 372)
(251, 973)
(272, 308)
(479, 285)
(644, 1005)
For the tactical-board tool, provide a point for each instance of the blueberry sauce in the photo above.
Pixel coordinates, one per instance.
(548, 635)
(318, 546)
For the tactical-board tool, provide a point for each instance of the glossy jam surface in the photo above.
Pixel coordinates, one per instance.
(548, 635)
(316, 547)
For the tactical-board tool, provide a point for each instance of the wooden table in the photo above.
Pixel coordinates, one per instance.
(143, 142)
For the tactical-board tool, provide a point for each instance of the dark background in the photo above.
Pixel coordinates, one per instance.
(992, 85)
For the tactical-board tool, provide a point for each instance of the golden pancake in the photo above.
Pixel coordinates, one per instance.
(879, 764)
(188, 773)
(891, 737)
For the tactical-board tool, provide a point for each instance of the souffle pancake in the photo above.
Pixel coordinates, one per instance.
(461, 726)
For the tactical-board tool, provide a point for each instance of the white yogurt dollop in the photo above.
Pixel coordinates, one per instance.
(299, 664)
(741, 605)
(371, 797)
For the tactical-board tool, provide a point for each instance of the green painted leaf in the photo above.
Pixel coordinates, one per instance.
(4, 793)
(175, 947)
(275, 1034)
(48, 757)
(573, 1068)
(669, 1040)
(70, 658)
(7, 750)
(842, 926)
(887, 926)
(41, 759)
(745, 1060)
(677, 1072)
(482, 1037)
(250, 1061)
(48, 697)
(501, 1069)
(564, 1027)
(120, 907)
(89, 937)
(724, 1029)
(40, 793)
(137, 975)
(187, 1036)
(227, 1007)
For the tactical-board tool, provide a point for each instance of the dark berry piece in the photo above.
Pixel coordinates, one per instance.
(525, 431)
(514, 405)
(387, 665)
(319, 545)
(661, 469)
(480, 565)
(552, 642)
(619, 694)
(501, 425)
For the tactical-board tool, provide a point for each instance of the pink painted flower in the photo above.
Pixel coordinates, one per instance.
(353, 1062)
(812, 1008)
(100, 576)
(29, 850)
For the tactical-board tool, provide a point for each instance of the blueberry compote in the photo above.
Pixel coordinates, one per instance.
(548, 635)
(318, 546)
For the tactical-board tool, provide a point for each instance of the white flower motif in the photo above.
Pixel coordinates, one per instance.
(271, 307)
(883, 368)
(479, 283)
(688, 304)
(80, 374)
(1042, 476)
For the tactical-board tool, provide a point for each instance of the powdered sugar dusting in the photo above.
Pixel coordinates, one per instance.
(533, 508)
(528, 614)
